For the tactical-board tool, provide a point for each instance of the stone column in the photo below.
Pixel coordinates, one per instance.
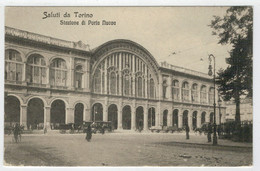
(207, 95)
(119, 117)
(47, 117)
(207, 117)
(24, 73)
(23, 116)
(105, 110)
(87, 115)
(169, 118)
(199, 119)
(190, 119)
(120, 83)
(160, 86)
(180, 119)
(133, 118)
(69, 115)
(157, 114)
(170, 88)
(145, 118)
(133, 76)
(105, 77)
(105, 114)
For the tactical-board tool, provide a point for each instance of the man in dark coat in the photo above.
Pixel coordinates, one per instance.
(88, 133)
(209, 132)
(17, 132)
(187, 129)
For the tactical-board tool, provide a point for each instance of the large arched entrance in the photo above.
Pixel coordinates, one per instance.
(58, 113)
(126, 117)
(211, 117)
(194, 119)
(139, 117)
(185, 118)
(12, 111)
(97, 112)
(175, 118)
(165, 116)
(203, 117)
(78, 114)
(35, 114)
(151, 117)
(112, 115)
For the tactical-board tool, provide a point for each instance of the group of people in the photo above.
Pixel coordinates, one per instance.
(209, 131)
(89, 131)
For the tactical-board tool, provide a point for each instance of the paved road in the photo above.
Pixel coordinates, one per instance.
(122, 149)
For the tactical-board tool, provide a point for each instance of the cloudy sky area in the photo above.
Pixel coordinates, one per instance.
(161, 30)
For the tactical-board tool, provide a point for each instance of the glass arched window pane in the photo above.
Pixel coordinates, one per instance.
(13, 65)
(126, 85)
(151, 88)
(139, 86)
(113, 84)
(175, 90)
(36, 69)
(203, 94)
(78, 76)
(185, 91)
(58, 72)
(194, 93)
(97, 81)
(164, 88)
(211, 95)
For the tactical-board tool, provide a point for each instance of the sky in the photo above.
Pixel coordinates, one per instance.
(178, 35)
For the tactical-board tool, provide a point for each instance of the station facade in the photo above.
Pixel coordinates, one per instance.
(49, 81)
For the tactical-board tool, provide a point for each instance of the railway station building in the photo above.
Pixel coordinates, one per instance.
(49, 81)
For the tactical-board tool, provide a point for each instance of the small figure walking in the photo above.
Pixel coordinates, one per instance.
(187, 129)
(88, 133)
(103, 129)
(17, 132)
(45, 130)
(209, 132)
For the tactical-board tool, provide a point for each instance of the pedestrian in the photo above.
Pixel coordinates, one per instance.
(187, 129)
(219, 131)
(103, 129)
(88, 133)
(45, 130)
(209, 132)
(16, 132)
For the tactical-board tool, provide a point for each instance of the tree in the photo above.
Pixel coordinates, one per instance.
(236, 28)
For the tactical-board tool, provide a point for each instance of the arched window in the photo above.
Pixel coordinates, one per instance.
(97, 81)
(175, 90)
(78, 76)
(112, 83)
(36, 69)
(152, 88)
(194, 93)
(185, 91)
(58, 72)
(13, 65)
(139, 87)
(126, 85)
(164, 88)
(203, 94)
(211, 95)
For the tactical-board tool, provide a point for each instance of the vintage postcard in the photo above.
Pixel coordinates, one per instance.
(128, 86)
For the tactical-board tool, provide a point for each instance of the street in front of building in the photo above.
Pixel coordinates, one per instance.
(125, 149)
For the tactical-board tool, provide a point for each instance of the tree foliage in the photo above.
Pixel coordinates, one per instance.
(236, 28)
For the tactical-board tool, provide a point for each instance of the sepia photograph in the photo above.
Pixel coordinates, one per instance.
(128, 86)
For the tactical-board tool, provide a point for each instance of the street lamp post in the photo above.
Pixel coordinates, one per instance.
(215, 142)
(219, 104)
